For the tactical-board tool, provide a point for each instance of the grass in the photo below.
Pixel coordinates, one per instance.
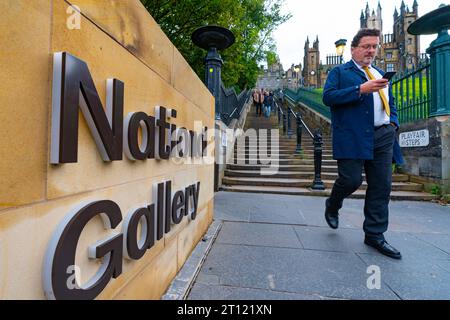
(411, 86)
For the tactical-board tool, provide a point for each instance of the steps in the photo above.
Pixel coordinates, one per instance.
(278, 169)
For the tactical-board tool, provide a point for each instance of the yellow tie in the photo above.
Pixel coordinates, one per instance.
(381, 92)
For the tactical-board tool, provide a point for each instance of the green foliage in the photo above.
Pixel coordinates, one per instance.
(271, 57)
(251, 21)
(435, 189)
(412, 91)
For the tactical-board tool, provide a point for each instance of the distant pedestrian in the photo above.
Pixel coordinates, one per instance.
(258, 99)
(268, 101)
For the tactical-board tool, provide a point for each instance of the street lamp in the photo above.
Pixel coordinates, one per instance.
(297, 72)
(340, 47)
(212, 39)
(312, 73)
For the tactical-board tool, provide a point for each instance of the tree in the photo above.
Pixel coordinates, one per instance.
(251, 21)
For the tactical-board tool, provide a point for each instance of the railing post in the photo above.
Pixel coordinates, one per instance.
(298, 150)
(289, 123)
(318, 183)
(284, 123)
(279, 114)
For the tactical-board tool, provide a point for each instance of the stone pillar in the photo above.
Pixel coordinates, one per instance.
(439, 51)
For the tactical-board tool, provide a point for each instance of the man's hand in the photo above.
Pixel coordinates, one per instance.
(372, 86)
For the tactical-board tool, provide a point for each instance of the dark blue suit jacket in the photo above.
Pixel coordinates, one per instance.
(352, 114)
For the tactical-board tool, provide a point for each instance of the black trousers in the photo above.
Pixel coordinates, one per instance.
(258, 108)
(379, 180)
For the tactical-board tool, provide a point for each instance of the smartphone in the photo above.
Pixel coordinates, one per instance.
(389, 75)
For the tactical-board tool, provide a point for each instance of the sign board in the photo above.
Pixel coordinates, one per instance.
(224, 140)
(420, 138)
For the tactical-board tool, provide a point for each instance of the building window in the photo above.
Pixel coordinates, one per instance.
(389, 55)
(409, 40)
(390, 67)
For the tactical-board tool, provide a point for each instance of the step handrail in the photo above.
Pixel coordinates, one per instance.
(281, 116)
(317, 140)
(298, 116)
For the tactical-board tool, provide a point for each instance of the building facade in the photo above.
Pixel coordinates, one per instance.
(91, 199)
(399, 50)
(293, 78)
(312, 65)
(272, 77)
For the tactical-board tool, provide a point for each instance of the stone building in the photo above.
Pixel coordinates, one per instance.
(272, 77)
(312, 65)
(293, 77)
(399, 50)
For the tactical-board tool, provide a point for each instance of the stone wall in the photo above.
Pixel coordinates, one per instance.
(117, 39)
(225, 150)
(433, 161)
(313, 119)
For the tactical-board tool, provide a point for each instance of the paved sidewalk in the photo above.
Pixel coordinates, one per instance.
(280, 247)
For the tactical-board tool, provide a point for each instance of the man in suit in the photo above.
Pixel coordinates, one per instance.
(364, 121)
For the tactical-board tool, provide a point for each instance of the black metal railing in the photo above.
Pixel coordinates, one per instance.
(231, 104)
(412, 92)
(316, 137)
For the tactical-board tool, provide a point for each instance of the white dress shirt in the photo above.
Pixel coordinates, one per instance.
(380, 115)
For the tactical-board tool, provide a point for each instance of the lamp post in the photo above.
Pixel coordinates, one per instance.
(213, 38)
(297, 72)
(340, 47)
(312, 73)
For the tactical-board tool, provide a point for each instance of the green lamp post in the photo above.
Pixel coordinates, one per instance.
(437, 21)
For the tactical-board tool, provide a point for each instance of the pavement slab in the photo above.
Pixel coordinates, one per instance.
(273, 247)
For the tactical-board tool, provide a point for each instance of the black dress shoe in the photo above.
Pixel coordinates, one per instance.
(332, 218)
(383, 247)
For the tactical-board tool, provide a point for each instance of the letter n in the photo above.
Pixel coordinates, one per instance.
(74, 88)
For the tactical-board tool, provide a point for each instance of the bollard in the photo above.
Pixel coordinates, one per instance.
(279, 114)
(318, 183)
(298, 150)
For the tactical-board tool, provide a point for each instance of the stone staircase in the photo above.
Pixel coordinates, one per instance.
(292, 173)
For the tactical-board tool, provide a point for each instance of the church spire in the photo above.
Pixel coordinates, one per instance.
(415, 7)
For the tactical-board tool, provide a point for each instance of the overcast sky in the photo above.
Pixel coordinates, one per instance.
(333, 20)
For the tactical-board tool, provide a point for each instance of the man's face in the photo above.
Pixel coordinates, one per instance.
(366, 51)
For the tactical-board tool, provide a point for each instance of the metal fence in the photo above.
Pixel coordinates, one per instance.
(310, 98)
(412, 93)
(231, 104)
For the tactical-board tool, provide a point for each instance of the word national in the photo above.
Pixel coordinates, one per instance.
(73, 88)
